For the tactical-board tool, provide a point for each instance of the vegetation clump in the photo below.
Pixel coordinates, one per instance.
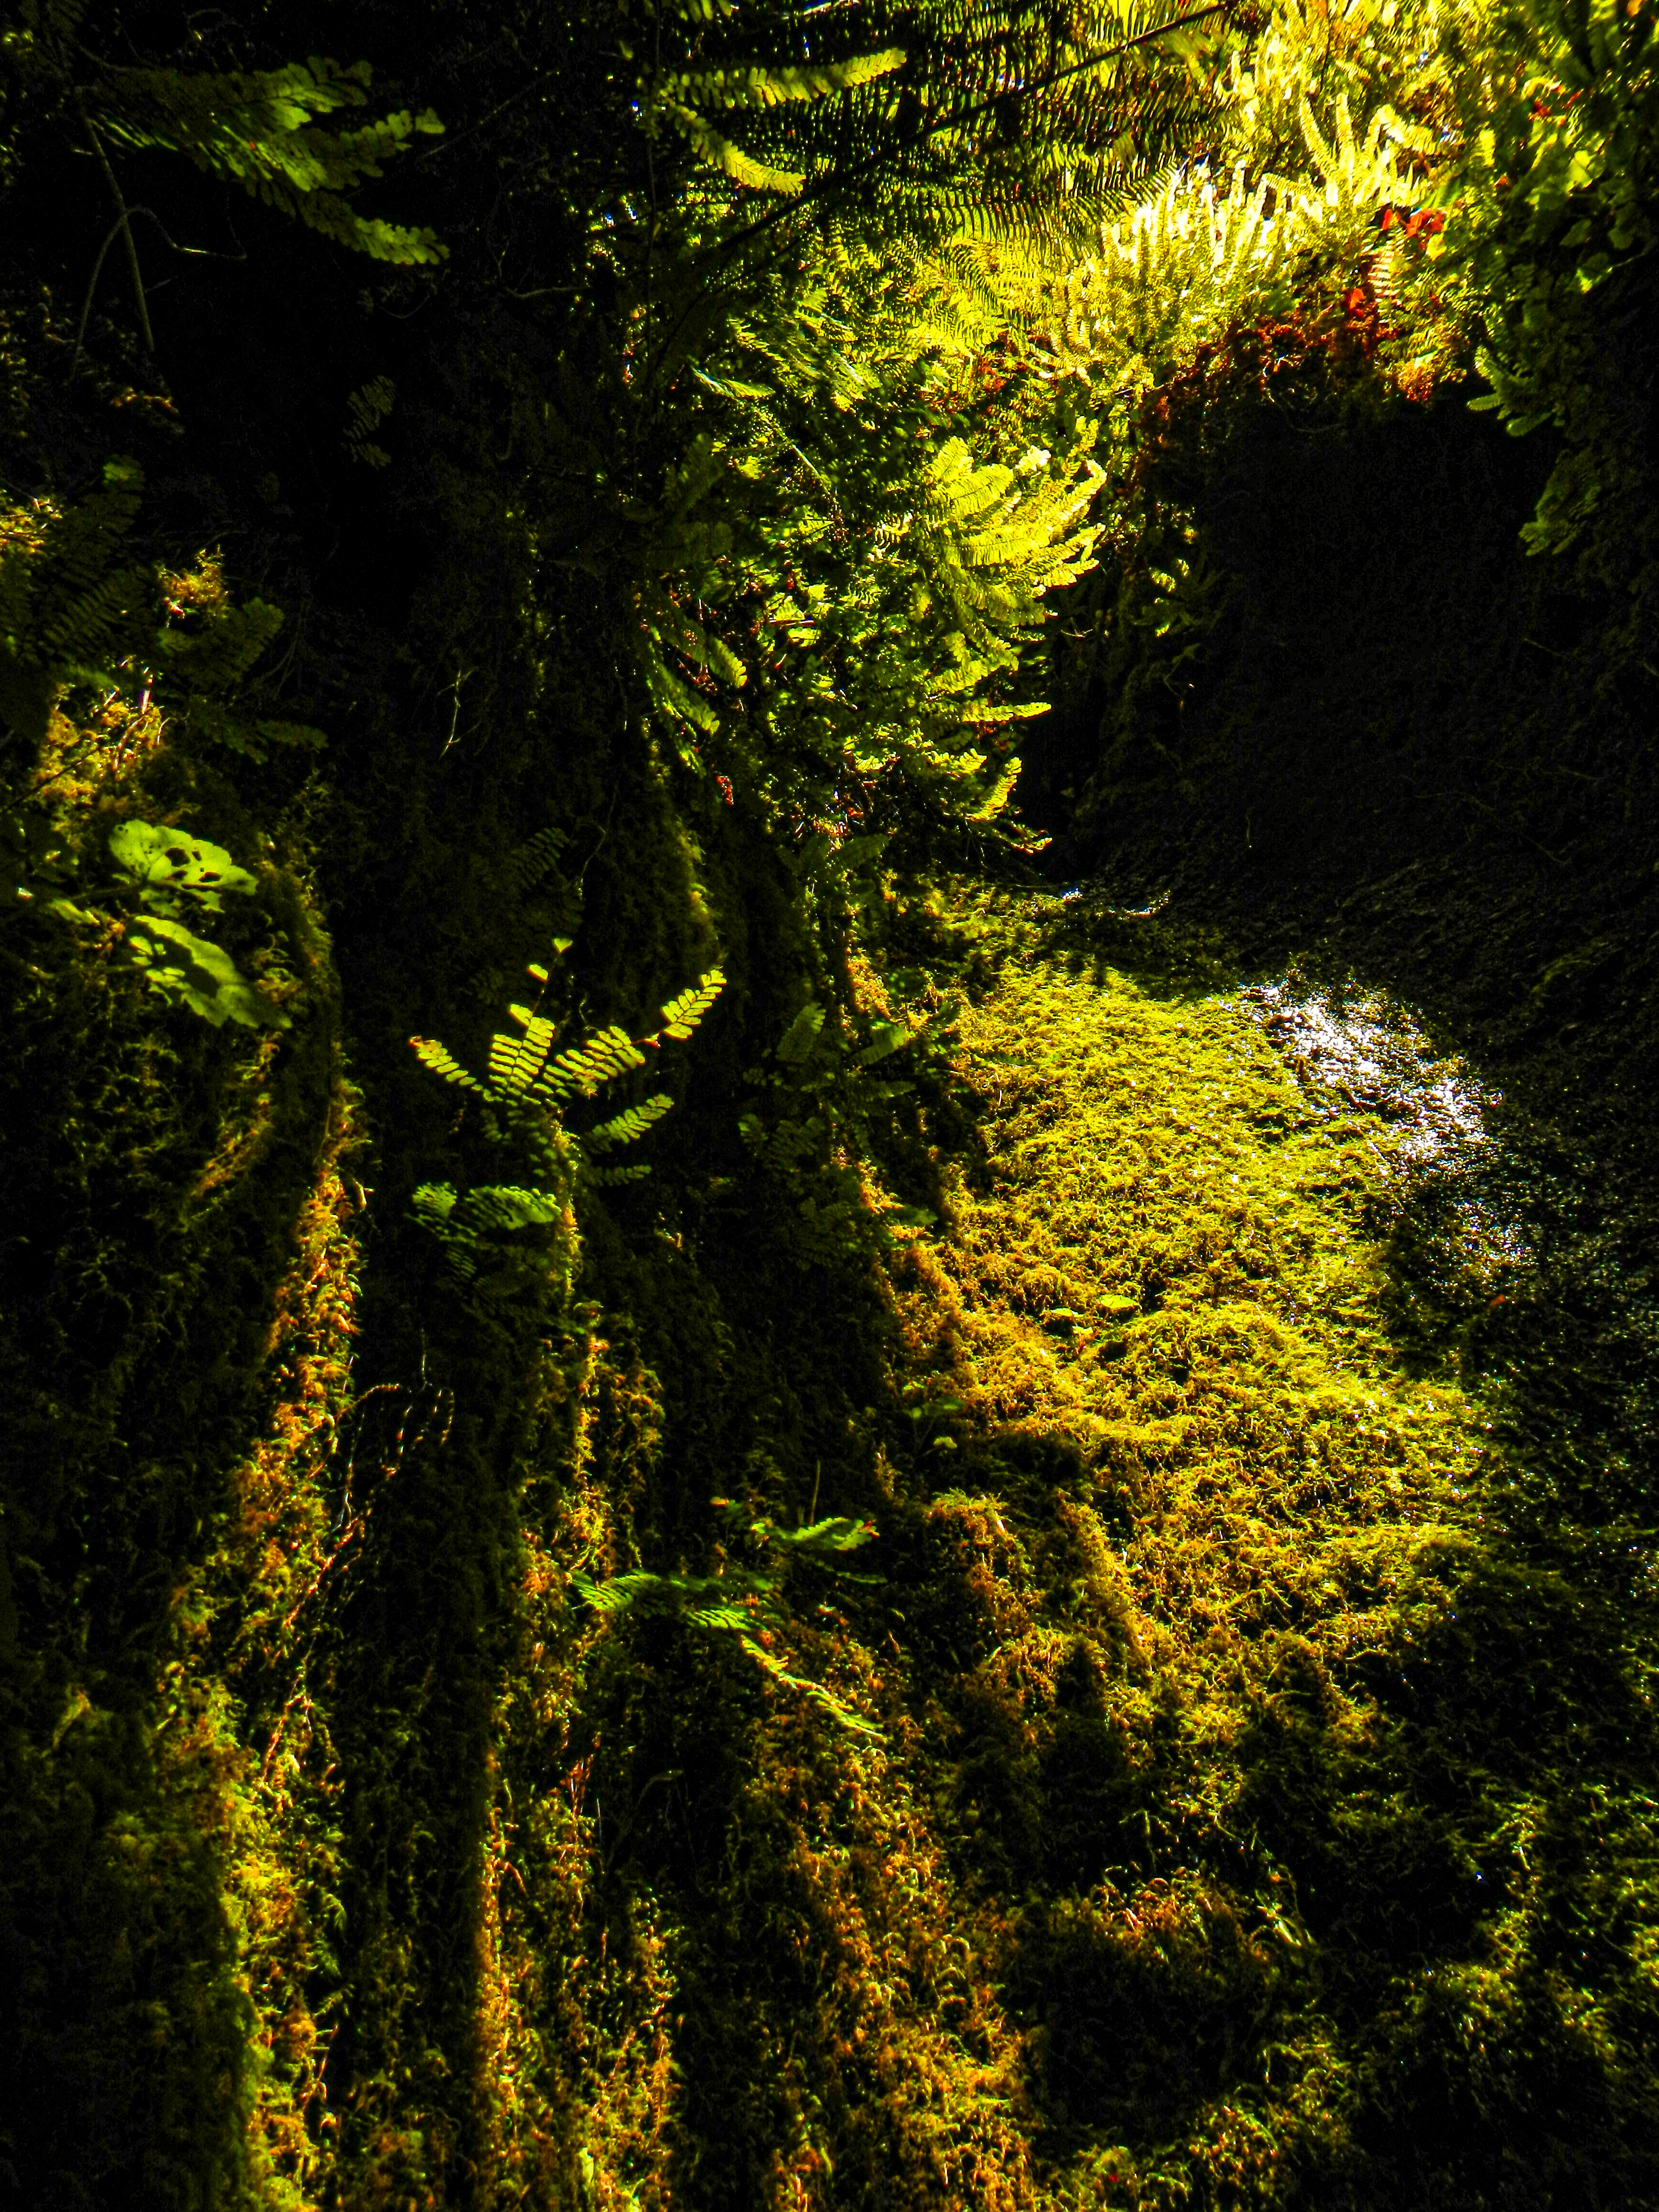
(1020, 1575)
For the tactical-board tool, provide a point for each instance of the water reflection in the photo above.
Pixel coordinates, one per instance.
(1363, 1052)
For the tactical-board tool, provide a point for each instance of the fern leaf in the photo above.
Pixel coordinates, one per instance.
(627, 1127)
(796, 1043)
(832, 1704)
(583, 1067)
(537, 857)
(773, 87)
(714, 148)
(516, 1062)
(886, 1039)
(438, 1058)
(681, 1014)
(837, 1533)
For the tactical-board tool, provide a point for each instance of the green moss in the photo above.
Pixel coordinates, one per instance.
(1246, 1703)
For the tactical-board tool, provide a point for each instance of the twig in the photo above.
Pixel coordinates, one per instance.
(123, 223)
(201, 252)
(92, 286)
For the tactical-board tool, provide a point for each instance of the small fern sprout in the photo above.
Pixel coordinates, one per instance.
(525, 1086)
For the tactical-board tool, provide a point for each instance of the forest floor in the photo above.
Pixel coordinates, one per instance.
(1300, 1785)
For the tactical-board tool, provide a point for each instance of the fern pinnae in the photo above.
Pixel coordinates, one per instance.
(438, 1058)
(632, 1123)
(682, 1014)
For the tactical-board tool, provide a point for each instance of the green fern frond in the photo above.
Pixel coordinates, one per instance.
(722, 153)
(798, 1041)
(886, 1039)
(681, 1014)
(773, 87)
(836, 1707)
(484, 1235)
(628, 1127)
(537, 857)
(264, 130)
(515, 1063)
(438, 1058)
(366, 408)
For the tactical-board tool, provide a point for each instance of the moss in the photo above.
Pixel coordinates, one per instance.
(177, 1279)
(1224, 1810)
(1213, 1713)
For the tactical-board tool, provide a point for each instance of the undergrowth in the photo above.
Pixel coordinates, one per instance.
(1281, 1788)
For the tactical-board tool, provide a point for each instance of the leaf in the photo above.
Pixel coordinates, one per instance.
(170, 861)
(713, 146)
(515, 1062)
(681, 1014)
(438, 1058)
(886, 1038)
(815, 1691)
(189, 971)
(796, 1043)
(837, 1533)
(627, 1127)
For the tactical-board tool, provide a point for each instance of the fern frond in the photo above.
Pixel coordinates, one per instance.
(887, 1038)
(438, 1058)
(796, 1043)
(628, 1127)
(516, 1062)
(537, 857)
(582, 1068)
(772, 87)
(722, 153)
(681, 1014)
(265, 130)
(836, 1707)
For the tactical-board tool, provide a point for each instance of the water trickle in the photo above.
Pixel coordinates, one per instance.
(1363, 1052)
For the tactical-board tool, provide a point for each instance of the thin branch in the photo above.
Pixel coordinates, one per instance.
(459, 138)
(201, 252)
(123, 219)
(123, 222)
(92, 286)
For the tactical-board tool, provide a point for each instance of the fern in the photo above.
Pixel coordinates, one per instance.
(443, 1062)
(1554, 197)
(76, 608)
(523, 1089)
(796, 1045)
(366, 408)
(276, 133)
(817, 1123)
(681, 1014)
(70, 602)
(891, 672)
(978, 110)
(482, 1236)
(743, 1601)
(531, 863)
(628, 1127)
